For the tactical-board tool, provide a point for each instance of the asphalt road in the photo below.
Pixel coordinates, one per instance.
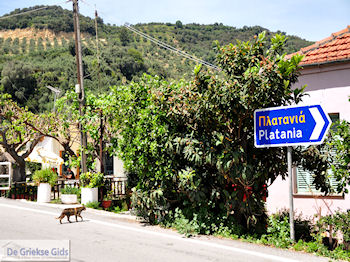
(109, 238)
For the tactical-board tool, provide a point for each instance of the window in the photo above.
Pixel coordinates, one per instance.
(108, 164)
(304, 179)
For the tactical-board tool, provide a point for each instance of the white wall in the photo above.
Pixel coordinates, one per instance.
(118, 167)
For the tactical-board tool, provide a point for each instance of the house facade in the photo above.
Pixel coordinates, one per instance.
(326, 72)
(113, 165)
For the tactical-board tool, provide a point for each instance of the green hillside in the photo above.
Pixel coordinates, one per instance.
(29, 62)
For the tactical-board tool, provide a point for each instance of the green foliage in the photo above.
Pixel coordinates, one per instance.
(91, 180)
(71, 190)
(18, 80)
(17, 133)
(94, 205)
(124, 36)
(148, 204)
(338, 222)
(342, 222)
(191, 144)
(32, 167)
(123, 56)
(45, 176)
(178, 24)
(108, 195)
(189, 223)
(332, 158)
(121, 206)
(54, 17)
(341, 163)
(278, 230)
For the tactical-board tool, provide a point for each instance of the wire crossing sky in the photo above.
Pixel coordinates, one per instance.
(310, 19)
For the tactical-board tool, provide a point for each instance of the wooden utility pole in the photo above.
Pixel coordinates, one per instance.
(80, 86)
(102, 169)
(97, 51)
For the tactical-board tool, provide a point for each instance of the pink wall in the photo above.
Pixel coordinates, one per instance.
(306, 205)
(329, 86)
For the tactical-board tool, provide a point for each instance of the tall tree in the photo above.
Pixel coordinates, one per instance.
(19, 82)
(191, 145)
(16, 137)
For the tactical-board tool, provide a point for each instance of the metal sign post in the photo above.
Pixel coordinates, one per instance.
(290, 126)
(291, 204)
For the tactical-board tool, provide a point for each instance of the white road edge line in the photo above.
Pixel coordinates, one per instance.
(189, 240)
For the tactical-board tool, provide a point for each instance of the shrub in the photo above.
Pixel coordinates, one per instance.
(94, 205)
(278, 230)
(71, 190)
(108, 195)
(91, 180)
(342, 223)
(194, 141)
(331, 224)
(45, 176)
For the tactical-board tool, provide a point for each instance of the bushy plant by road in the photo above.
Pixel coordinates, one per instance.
(194, 142)
(91, 180)
(69, 190)
(45, 176)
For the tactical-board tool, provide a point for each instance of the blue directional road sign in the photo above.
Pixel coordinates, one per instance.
(290, 126)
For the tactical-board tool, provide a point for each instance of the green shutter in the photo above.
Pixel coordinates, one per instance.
(305, 181)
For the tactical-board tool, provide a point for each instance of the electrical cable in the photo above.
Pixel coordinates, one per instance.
(162, 44)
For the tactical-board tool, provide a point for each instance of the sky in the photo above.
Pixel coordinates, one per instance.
(309, 19)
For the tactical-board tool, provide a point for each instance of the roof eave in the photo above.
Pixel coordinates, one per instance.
(326, 63)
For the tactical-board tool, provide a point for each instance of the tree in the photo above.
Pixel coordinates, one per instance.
(16, 137)
(340, 162)
(18, 81)
(178, 24)
(191, 145)
(97, 121)
(124, 36)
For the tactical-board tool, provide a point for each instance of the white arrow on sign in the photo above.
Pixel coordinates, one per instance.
(319, 123)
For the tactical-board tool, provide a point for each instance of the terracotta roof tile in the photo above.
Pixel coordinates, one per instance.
(333, 48)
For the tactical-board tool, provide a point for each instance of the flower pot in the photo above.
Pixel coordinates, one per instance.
(89, 195)
(44, 193)
(13, 196)
(106, 203)
(69, 198)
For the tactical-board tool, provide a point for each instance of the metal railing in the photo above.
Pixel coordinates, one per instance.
(117, 185)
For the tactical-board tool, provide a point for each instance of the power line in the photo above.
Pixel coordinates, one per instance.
(33, 10)
(163, 44)
(171, 48)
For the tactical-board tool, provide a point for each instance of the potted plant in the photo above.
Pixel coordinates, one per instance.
(69, 195)
(46, 179)
(90, 182)
(107, 199)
